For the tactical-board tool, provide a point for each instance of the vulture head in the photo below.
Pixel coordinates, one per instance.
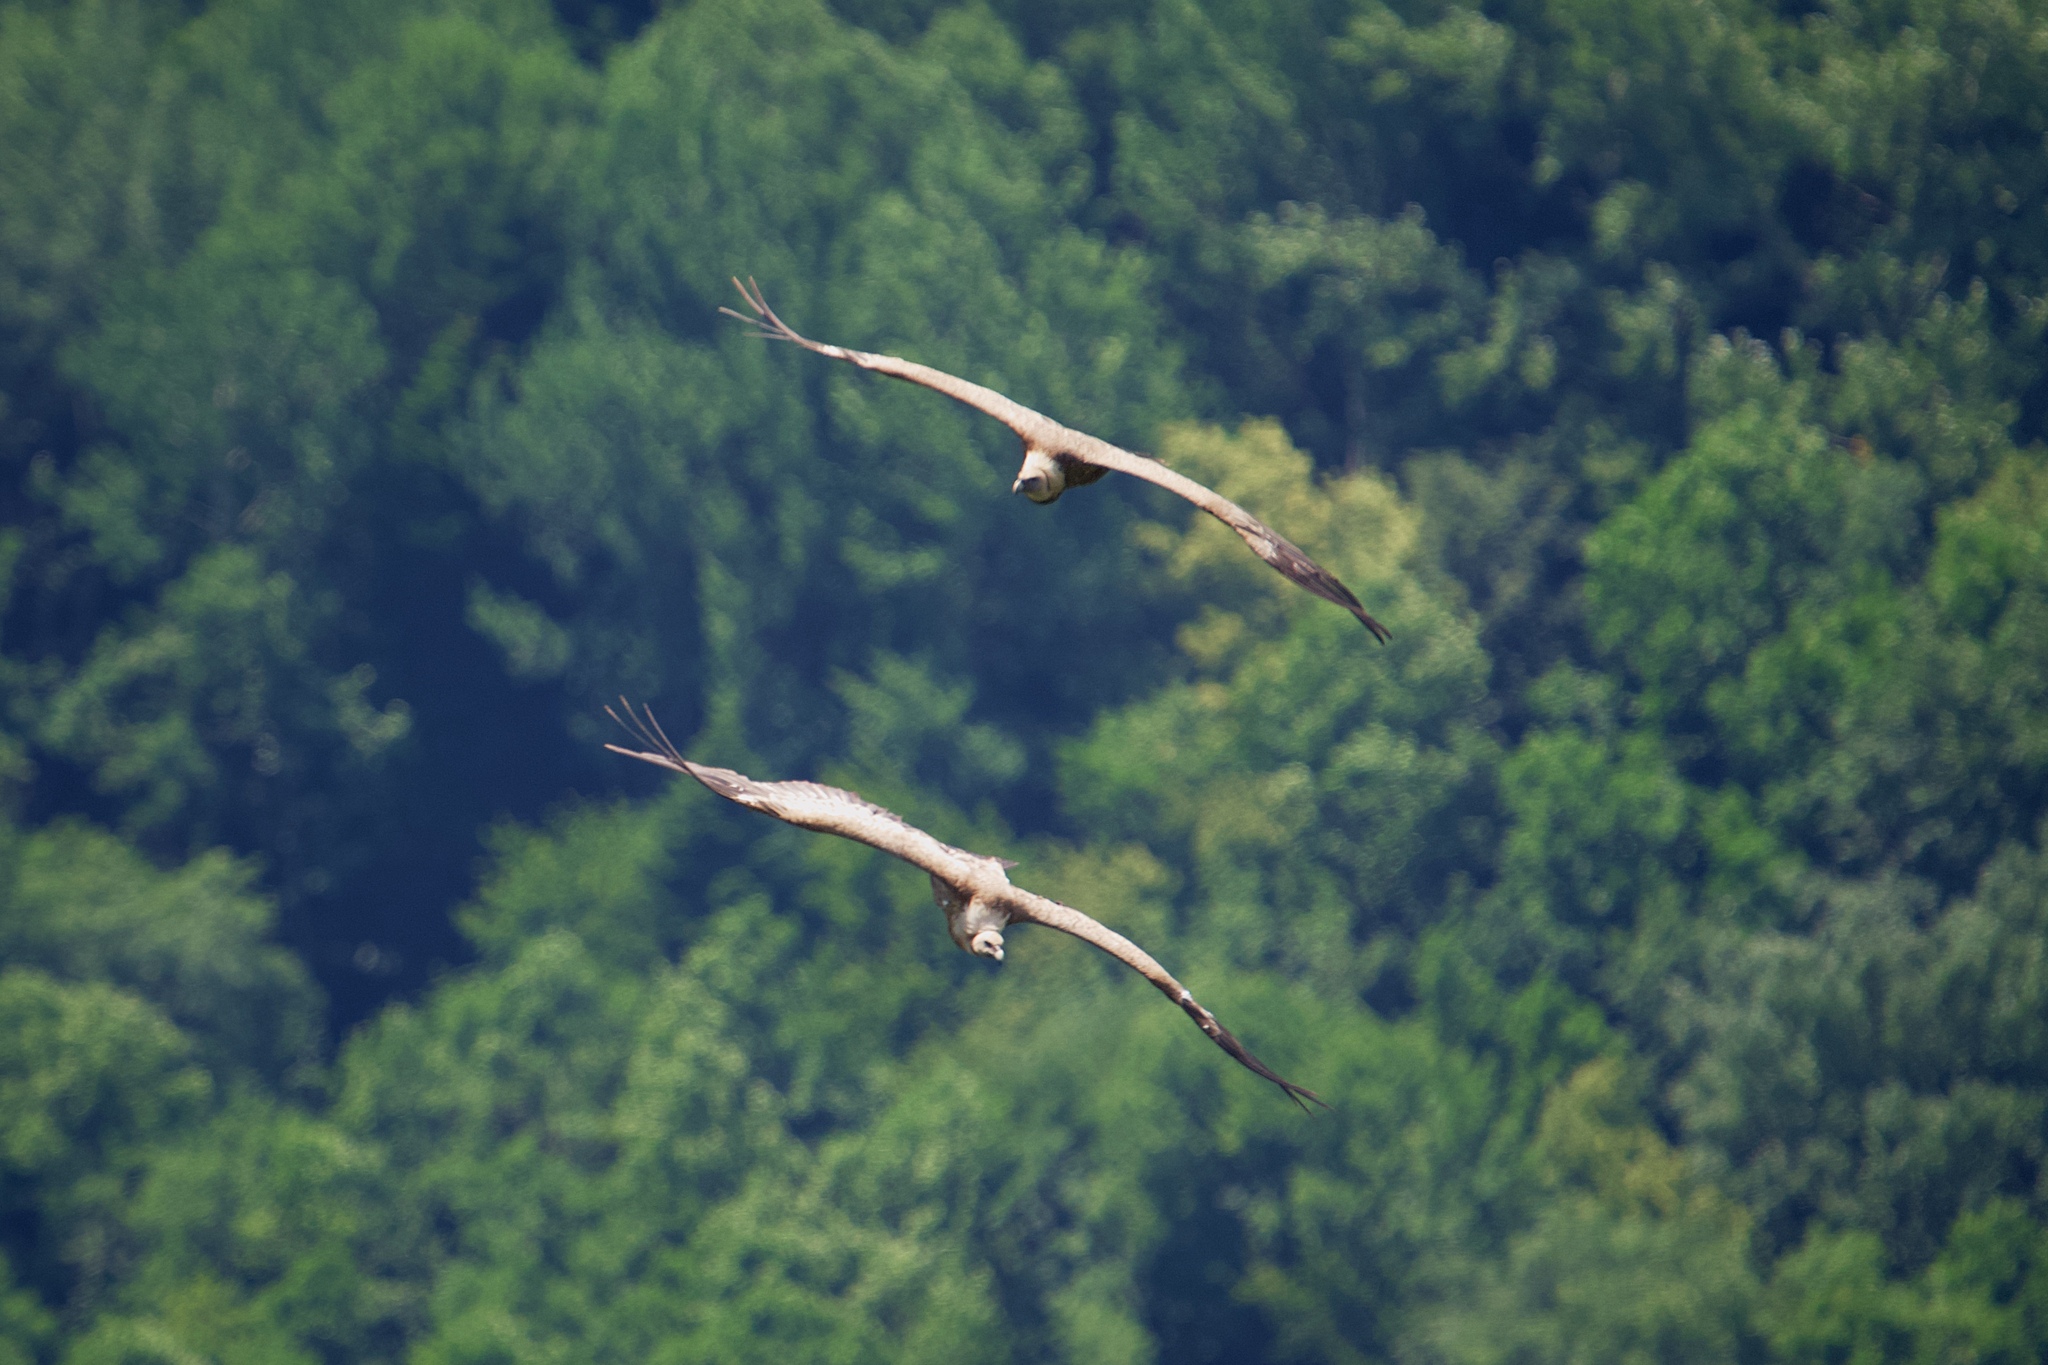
(1041, 479)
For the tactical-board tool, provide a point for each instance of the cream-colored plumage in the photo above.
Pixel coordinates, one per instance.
(972, 889)
(1057, 457)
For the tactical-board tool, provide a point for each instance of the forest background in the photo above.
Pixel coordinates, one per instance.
(1664, 913)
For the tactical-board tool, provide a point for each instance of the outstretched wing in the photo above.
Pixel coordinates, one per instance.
(1036, 429)
(812, 805)
(1032, 426)
(1267, 543)
(1023, 905)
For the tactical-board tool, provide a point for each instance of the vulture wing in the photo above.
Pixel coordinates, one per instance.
(1033, 427)
(813, 805)
(1035, 909)
(1268, 544)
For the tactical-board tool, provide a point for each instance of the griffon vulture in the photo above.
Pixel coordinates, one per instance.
(971, 888)
(1057, 458)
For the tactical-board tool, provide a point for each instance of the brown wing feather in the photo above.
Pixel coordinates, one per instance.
(1083, 458)
(1029, 424)
(811, 805)
(1077, 472)
(1039, 910)
(1265, 542)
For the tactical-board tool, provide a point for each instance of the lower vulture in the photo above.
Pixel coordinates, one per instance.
(973, 889)
(1057, 457)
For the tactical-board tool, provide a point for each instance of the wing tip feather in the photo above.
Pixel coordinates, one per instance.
(1379, 632)
(662, 752)
(1242, 1055)
(642, 726)
(767, 326)
(1300, 1094)
(1295, 566)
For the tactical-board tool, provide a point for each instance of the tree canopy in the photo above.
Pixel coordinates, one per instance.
(1663, 913)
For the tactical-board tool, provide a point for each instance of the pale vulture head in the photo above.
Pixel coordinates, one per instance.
(1040, 479)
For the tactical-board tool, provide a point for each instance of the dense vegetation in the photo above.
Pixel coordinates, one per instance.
(1664, 913)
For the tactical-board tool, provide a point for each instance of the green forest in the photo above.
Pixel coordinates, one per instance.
(1663, 913)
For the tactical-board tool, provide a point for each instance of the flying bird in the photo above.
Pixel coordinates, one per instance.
(973, 889)
(1057, 457)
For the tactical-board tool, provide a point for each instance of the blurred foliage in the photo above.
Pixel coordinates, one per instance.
(1664, 913)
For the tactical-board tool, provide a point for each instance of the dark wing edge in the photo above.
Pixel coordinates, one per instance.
(1227, 1040)
(1032, 908)
(1277, 550)
(1284, 555)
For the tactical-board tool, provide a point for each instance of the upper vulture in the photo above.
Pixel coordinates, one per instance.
(1057, 457)
(971, 888)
